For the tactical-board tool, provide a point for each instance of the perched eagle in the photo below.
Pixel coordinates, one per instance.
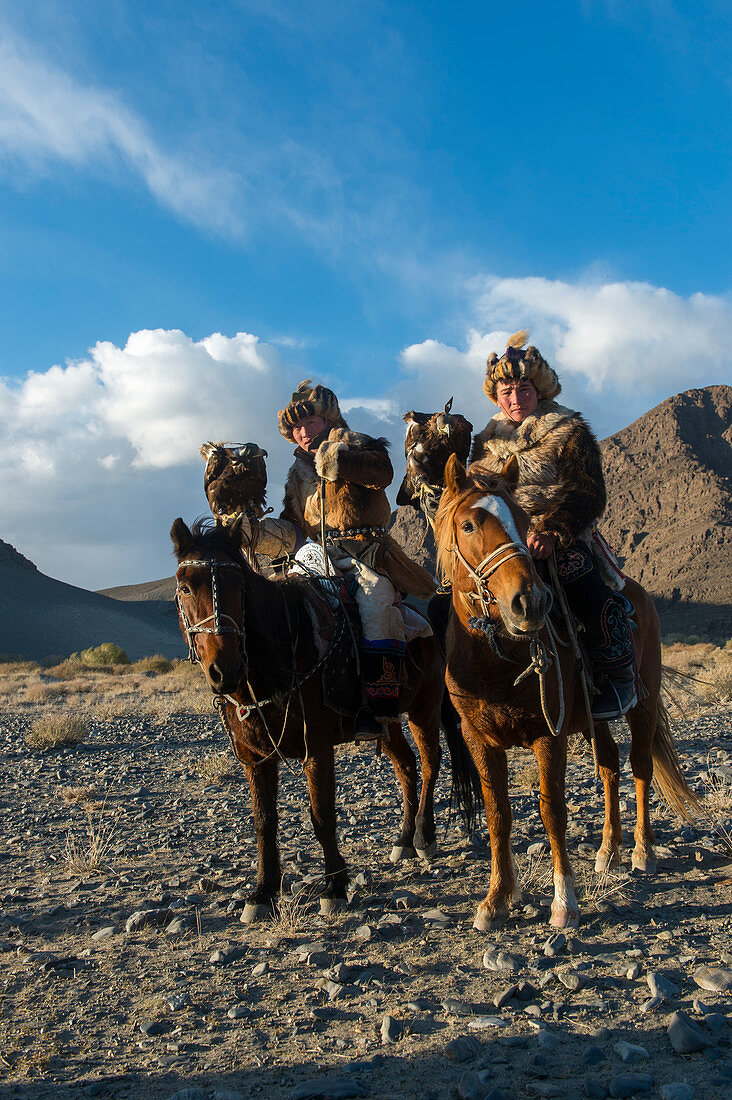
(431, 439)
(235, 480)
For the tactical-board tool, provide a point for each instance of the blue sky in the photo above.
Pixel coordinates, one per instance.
(377, 192)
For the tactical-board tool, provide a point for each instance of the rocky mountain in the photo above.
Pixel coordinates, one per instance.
(669, 513)
(41, 617)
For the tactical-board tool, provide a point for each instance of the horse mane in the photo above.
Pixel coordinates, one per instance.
(476, 481)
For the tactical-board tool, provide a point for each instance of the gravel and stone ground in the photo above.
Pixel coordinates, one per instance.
(398, 997)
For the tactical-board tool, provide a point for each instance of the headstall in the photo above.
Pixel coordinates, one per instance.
(487, 567)
(217, 617)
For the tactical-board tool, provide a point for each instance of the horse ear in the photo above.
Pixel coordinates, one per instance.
(181, 536)
(510, 473)
(455, 475)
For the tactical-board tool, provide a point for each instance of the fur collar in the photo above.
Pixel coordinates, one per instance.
(503, 438)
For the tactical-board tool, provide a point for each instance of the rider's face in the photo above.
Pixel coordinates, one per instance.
(305, 431)
(517, 399)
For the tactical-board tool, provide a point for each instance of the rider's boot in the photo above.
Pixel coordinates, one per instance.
(607, 631)
(381, 666)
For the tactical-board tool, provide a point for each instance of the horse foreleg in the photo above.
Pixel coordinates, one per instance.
(425, 726)
(493, 770)
(551, 756)
(320, 772)
(263, 788)
(608, 761)
(405, 768)
(642, 722)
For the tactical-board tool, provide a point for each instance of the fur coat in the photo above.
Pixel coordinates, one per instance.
(561, 484)
(356, 470)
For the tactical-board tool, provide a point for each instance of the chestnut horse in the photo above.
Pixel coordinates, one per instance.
(254, 640)
(481, 548)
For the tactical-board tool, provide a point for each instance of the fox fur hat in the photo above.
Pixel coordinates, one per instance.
(309, 400)
(520, 363)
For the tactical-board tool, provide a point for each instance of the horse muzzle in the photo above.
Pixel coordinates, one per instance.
(225, 677)
(527, 610)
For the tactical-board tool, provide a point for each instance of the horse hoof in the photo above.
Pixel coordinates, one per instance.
(428, 852)
(402, 851)
(564, 918)
(644, 863)
(484, 922)
(330, 906)
(606, 861)
(254, 911)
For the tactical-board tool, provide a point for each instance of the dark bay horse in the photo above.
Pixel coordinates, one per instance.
(481, 546)
(254, 640)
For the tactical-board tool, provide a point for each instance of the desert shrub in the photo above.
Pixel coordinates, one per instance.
(68, 669)
(215, 767)
(105, 654)
(157, 663)
(54, 730)
(41, 693)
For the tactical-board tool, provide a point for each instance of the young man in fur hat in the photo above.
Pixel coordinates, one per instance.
(562, 488)
(354, 471)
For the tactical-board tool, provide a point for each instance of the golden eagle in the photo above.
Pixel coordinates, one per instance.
(431, 439)
(235, 480)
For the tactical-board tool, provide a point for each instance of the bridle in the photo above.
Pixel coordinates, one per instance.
(490, 564)
(217, 617)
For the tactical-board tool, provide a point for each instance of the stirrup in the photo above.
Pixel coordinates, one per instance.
(367, 727)
(615, 700)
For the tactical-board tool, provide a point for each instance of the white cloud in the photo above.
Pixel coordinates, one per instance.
(98, 457)
(46, 116)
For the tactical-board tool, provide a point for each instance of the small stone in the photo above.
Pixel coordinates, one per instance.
(660, 986)
(141, 918)
(391, 1030)
(363, 933)
(715, 1021)
(570, 980)
(547, 1088)
(629, 1052)
(717, 979)
(104, 933)
(328, 1088)
(652, 1004)
(463, 1048)
(525, 991)
(602, 1034)
(260, 969)
(592, 1056)
(547, 1040)
(677, 1090)
(470, 1087)
(178, 926)
(436, 916)
(504, 995)
(685, 1036)
(457, 1008)
(536, 849)
(633, 972)
(595, 1089)
(628, 1084)
(555, 944)
(239, 1011)
(153, 1027)
(177, 1002)
(482, 1023)
(404, 899)
(499, 960)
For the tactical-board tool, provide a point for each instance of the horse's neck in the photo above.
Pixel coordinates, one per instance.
(277, 628)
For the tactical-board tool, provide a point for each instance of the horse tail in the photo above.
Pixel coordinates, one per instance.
(466, 792)
(668, 777)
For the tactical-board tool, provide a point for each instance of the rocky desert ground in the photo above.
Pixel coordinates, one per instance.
(126, 855)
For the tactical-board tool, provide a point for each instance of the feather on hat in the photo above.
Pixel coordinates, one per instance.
(521, 364)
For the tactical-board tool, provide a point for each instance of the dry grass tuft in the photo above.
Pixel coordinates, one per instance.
(157, 663)
(83, 795)
(527, 779)
(216, 767)
(291, 914)
(54, 730)
(716, 807)
(578, 745)
(83, 855)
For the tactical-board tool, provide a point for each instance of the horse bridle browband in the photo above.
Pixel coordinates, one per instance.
(219, 627)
